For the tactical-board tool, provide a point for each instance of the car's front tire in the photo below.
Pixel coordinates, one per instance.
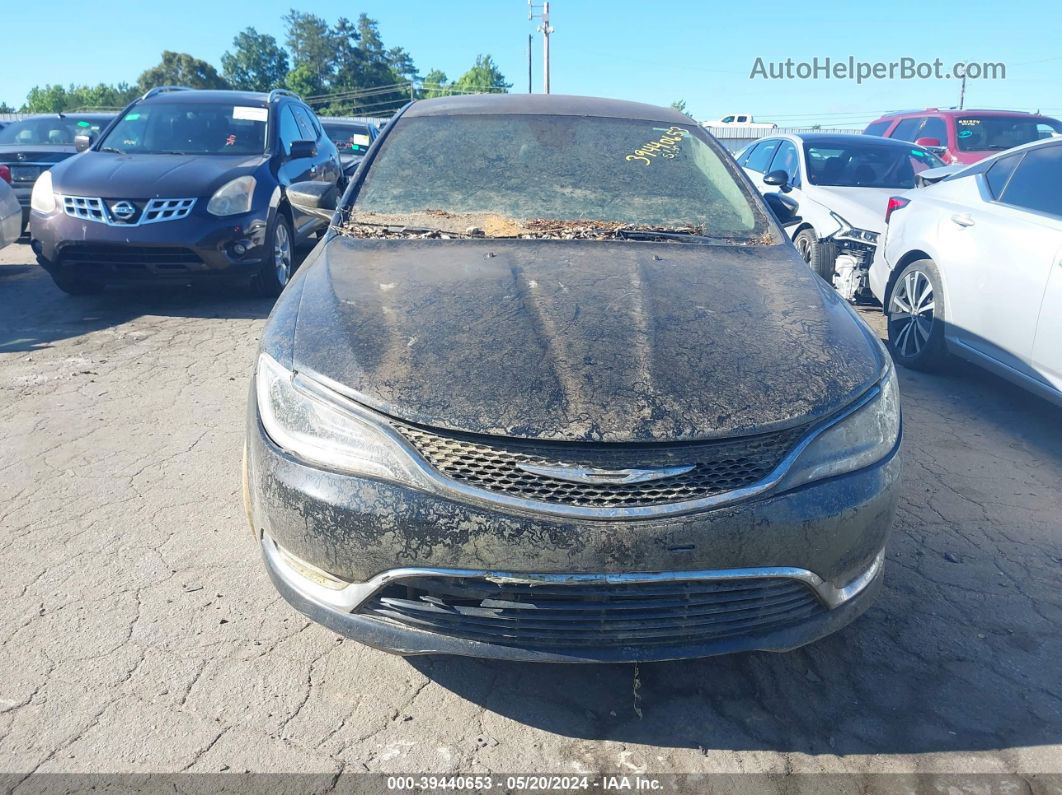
(818, 254)
(279, 262)
(915, 313)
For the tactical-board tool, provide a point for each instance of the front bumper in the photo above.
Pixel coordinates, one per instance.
(199, 247)
(830, 534)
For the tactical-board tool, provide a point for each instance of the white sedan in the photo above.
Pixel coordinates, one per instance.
(973, 266)
(841, 184)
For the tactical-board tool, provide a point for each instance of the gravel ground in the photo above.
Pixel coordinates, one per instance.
(140, 632)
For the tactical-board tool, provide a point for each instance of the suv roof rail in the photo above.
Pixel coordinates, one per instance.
(282, 92)
(164, 89)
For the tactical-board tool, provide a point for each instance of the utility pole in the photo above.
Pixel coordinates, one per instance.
(962, 91)
(545, 29)
(529, 37)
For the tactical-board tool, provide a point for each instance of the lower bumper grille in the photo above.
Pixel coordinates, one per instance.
(144, 259)
(552, 617)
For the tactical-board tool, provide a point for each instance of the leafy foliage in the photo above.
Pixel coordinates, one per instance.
(483, 77)
(181, 69)
(257, 62)
(57, 99)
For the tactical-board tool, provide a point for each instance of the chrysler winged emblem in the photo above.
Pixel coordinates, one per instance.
(597, 476)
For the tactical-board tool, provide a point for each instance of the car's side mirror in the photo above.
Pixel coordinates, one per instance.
(83, 141)
(314, 198)
(302, 149)
(783, 207)
(777, 177)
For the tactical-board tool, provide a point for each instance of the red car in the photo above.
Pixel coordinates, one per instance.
(965, 136)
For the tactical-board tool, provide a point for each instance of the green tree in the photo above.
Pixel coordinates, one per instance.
(434, 85)
(371, 74)
(313, 46)
(57, 99)
(303, 81)
(257, 62)
(181, 69)
(679, 105)
(5, 108)
(484, 77)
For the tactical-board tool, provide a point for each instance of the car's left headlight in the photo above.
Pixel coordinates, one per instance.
(43, 197)
(233, 197)
(859, 440)
(849, 232)
(314, 425)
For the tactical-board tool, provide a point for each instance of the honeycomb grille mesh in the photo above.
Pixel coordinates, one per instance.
(493, 464)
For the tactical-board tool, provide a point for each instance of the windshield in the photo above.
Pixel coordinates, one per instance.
(348, 138)
(980, 133)
(862, 165)
(516, 169)
(51, 130)
(189, 129)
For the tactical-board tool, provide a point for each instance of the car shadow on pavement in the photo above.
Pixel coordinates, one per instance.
(959, 653)
(34, 313)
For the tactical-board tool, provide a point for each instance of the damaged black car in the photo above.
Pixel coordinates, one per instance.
(556, 387)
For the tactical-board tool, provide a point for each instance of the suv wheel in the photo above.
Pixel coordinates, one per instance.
(816, 253)
(916, 317)
(280, 260)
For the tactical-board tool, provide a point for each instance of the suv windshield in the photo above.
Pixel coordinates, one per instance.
(500, 172)
(980, 133)
(189, 129)
(53, 130)
(863, 165)
(348, 138)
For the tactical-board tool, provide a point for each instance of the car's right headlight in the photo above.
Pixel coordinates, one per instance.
(859, 440)
(43, 197)
(234, 197)
(301, 418)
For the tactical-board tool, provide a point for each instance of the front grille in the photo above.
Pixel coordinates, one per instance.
(130, 258)
(569, 616)
(493, 464)
(92, 208)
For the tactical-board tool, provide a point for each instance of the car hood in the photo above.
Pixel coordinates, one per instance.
(147, 176)
(863, 208)
(581, 340)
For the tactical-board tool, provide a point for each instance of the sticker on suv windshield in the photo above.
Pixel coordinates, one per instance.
(247, 113)
(359, 140)
(666, 146)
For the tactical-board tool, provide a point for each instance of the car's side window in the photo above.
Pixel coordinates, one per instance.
(907, 130)
(306, 130)
(787, 160)
(877, 128)
(289, 129)
(1034, 184)
(935, 128)
(999, 173)
(747, 154)
(759, 159)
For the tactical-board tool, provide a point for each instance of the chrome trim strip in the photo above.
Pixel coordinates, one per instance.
(354, 595)
(444, 485)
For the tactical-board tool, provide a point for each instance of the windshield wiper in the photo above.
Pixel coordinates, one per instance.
(111, 149)
(657, 234)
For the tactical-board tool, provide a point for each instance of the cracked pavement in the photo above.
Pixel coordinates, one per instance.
(140, 633)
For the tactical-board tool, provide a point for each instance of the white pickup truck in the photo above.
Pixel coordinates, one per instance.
(739, 120)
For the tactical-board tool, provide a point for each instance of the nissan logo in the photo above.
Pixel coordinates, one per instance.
(123, 211)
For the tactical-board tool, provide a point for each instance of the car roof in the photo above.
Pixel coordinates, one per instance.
(957, 112)
(841, 139)
(545, 105)
(252, 98)
(103, 114)
(334, 120)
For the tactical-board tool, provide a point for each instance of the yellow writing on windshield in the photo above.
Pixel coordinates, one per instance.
(666, 146)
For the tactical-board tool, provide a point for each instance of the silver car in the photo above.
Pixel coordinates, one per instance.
(973, 266)
(10, 215)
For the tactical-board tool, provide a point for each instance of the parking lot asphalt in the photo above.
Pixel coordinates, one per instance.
(140, 632)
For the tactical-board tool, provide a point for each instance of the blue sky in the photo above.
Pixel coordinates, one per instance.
(651, 52)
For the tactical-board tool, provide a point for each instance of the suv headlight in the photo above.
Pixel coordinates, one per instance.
(299, 417)
(43, 197)
(233, 197)
(862, 438)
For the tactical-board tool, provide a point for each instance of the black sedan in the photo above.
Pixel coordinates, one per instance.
(556, 387)
(31, 146)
